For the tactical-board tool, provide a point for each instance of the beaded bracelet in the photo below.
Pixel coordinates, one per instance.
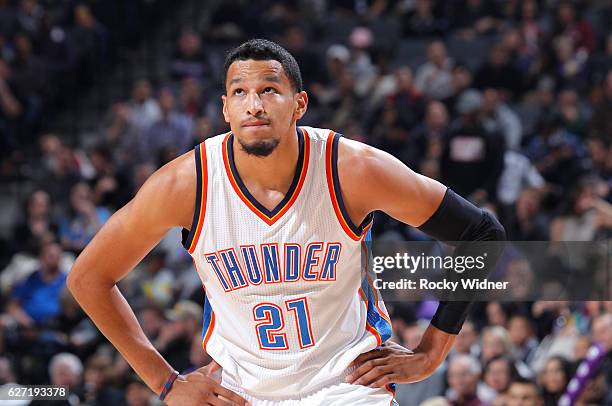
(168, 385)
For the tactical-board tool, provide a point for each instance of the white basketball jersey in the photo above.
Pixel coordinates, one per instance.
(287, 306)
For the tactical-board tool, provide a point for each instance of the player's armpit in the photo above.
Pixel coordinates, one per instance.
(372, 179)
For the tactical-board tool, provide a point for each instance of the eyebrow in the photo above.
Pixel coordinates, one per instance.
(272, 78)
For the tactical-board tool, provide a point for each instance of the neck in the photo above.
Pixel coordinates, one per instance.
(273, 172)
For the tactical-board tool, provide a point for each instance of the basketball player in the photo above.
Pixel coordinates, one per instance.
(274, 217)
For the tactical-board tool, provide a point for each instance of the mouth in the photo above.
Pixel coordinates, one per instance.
(256, 123)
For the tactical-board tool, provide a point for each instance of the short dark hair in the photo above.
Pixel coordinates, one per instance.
(263, 50)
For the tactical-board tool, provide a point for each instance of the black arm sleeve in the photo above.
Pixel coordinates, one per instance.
(457, 221)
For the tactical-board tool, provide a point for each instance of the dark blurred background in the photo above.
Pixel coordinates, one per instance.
(507, 102)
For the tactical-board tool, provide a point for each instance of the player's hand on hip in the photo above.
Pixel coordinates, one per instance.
(391, 363)
(197, 388)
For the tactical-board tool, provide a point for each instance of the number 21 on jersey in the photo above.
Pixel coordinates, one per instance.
(270, 329)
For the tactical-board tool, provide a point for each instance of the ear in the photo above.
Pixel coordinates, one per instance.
(225, 112)
(301, 101)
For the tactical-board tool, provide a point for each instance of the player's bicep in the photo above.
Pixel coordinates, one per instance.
(399, 191)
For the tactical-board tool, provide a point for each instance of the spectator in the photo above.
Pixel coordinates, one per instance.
(585, 217)
(11, 108)
(173, 131)
(463, 374)
(434, 78)
(601, 125)
(96, 388)
(499, 372)
(523, 338)
(83, 220)
(498, 117)
(523, 392)
(138, 394)
(36, 301)
(573, 118)
(143, 108)
(91, 44)
(308, 60)
(67, 370)
(175, 339)
(518, 176)
(554, 379)
(474, 17)
(467, 340)
(556, 153)
(36, 223)
(190, 60)
(191, 97)
(498, 72)
(427, 139)
(471, 161)
(568, 23)
(423, 21)
(111, 188)
(495, 342)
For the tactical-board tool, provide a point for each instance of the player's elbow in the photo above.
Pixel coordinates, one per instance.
(74, 282)
(495, 231)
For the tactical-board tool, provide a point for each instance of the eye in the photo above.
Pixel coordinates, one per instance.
(269, 90)
(238, 92)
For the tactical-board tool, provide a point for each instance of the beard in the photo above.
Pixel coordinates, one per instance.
(259, 148)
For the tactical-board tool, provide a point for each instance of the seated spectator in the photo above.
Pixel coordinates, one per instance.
(585, 217)
(67, 370)
(556, 153)
(190, 60)
(434, 77)
(523, 392)
(308, 60)
(36, 223)
(143, 108)
(495, 342)
(174, 340)
(519, 175)
(523, 338)
(474, 17)
(569, 23)
(601, 125)
(498, 117)
(91, 43)
(83, 220)
(137, 393)
(472, 158)
(499, 372)
(573, 117)
(498, 72)
(111, 188)
(96, 386)
(12, 107)
(191, 100)
(570, 63)
(36, 301)
(554, 379)
(463, 375)
(173, 130)
(467, 340)
(423, 21)
(428, 138)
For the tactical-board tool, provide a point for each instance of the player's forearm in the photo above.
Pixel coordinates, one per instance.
(111, 313)
(436, 344)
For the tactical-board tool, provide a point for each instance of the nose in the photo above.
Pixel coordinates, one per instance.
(254, 104)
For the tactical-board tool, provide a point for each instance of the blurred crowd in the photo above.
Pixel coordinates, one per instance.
(506, 102)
